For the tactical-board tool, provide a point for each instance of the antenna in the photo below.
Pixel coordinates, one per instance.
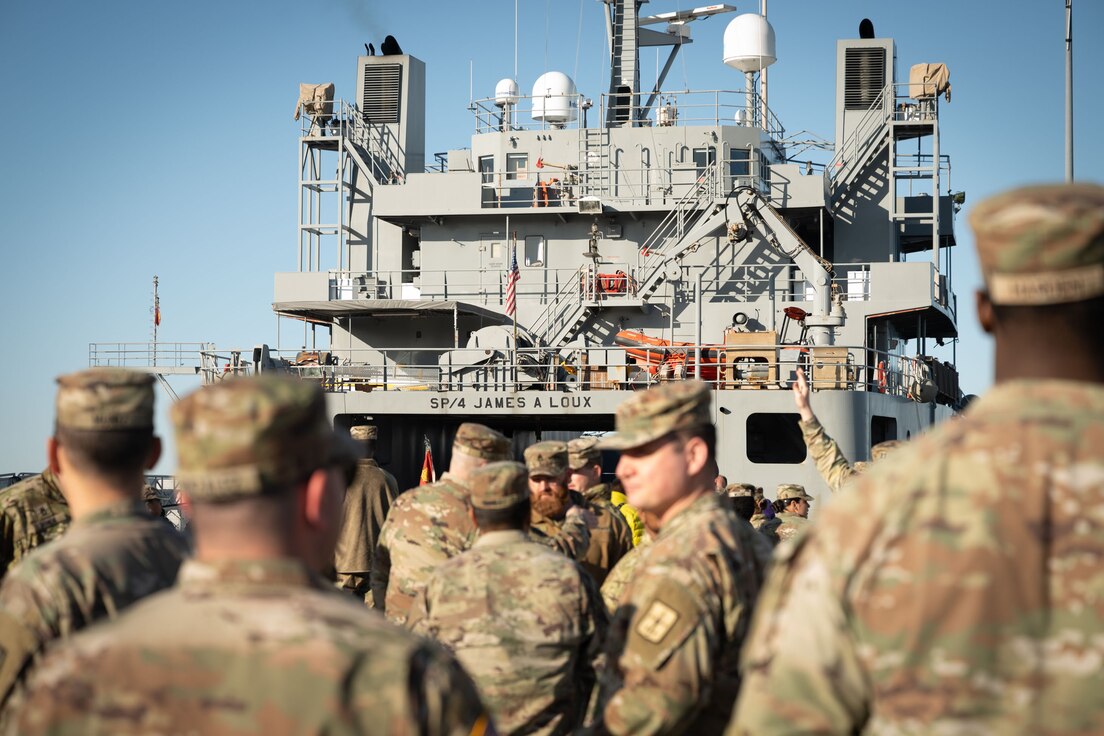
(1069, 90)
(515, 38)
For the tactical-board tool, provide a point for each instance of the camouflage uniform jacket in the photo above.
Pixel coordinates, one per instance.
(783, 526)
(525, 622)
(610, 536)
(621, 574)
(426, 526)
(830, 461)
(103, 564)
(675, 640)
(758, 520)
(956, 588)
(32, 512)
(569, 537)
(367, 502)
(620, 501)
(249, 647)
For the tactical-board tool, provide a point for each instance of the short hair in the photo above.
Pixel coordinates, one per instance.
(113, 453)
(708, 435)
(1087, 312)
(744, 506)
(513, 517)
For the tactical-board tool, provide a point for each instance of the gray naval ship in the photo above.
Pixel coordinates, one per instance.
(582, 249)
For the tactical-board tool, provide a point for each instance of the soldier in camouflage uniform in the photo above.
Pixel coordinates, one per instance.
(675, 639)
(32, 512)
(585, 462)
(429, 524)
(830, 460)
(252, 639)
(114, 553)
(610, 536)
(791, 509)
(525, 622)
(741, 498)
(958, 587)
(367, 502)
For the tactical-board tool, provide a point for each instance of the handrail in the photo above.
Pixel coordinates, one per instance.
(723, 367)
(674, 225)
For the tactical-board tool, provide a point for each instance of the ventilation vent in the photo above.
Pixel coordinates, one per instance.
(381, 98)
(864, 77)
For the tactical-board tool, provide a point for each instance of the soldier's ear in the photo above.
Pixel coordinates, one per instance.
(697, 457)
(986, 317)
(155, 453)
(314, 503)
(52, 455)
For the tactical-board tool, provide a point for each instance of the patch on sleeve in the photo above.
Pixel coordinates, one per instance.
(657, 622)
(667, 615)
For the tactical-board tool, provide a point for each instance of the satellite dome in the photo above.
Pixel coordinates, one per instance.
(506, 92)
(555, 99)
(749, 43)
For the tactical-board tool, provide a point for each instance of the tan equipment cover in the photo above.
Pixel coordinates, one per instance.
(927, 81)
(315, 99)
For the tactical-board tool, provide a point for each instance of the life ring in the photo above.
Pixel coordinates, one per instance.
(881, 376)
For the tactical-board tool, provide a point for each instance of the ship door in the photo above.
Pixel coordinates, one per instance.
(492, 252)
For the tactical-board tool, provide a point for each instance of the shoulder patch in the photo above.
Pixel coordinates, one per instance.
(657, 622)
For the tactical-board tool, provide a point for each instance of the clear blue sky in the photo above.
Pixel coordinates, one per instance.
(151, 138)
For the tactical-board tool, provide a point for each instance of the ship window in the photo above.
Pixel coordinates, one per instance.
(486, 169)
(775, 438)
(740, 162)
(517, 165)
(534, 250)
(704, 158)
(496, 251)
(882, 429)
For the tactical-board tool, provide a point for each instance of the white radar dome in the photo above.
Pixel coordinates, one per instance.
(506, 92)
(555, 99)
(749, 43)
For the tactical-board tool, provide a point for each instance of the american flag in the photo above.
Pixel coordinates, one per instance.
(511, 283)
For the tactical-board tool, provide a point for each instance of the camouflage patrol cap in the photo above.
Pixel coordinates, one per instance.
(102, 399)
(363, 432)
(1042, 244)
(479, 441)
(789, 491)
(654, 413)
(583, 452)
(499, 485)
(247, 436)
(880, 450)
(547, 458)
(740, 490)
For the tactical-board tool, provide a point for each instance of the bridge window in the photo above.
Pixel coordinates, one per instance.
(534, 250)
(775, 438)
(740, 162)
(704, 158)
(517, 165)
(486, 169)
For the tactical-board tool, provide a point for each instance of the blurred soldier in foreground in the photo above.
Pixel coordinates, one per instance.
(32, 512)
(251, 639)
(791, 510)
(525, 621)
(114, 553)
(830, 461)
(585, 461)
(675, 639)
(957, 587)
(610, 536)
(367, 502)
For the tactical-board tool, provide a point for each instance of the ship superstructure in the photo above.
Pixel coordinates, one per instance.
(579, 250)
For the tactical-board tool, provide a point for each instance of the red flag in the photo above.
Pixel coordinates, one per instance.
(428, 474)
